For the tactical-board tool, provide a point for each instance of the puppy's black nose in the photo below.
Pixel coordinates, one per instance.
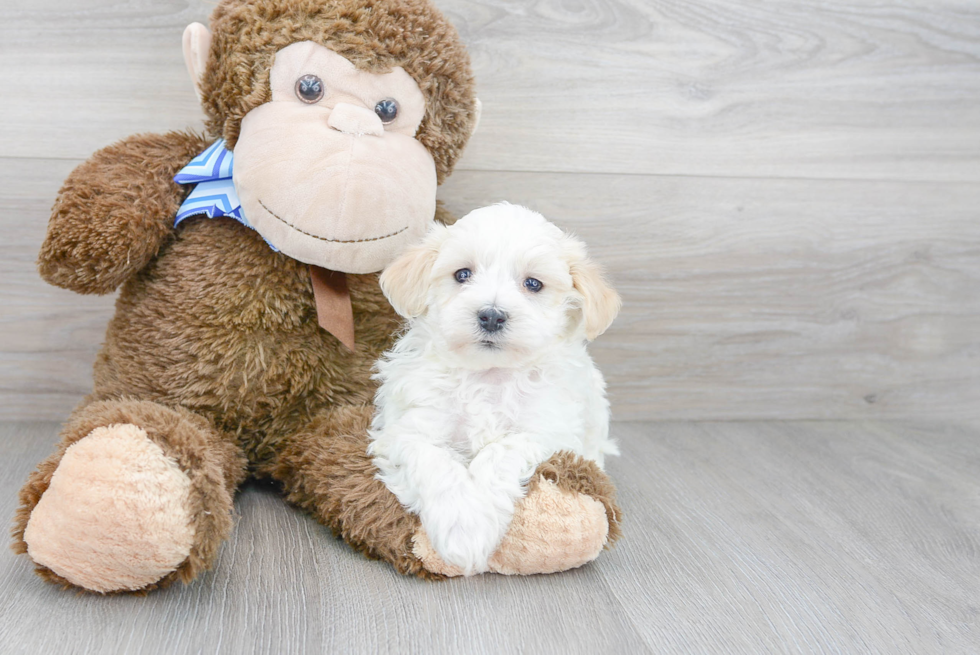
(491, 319)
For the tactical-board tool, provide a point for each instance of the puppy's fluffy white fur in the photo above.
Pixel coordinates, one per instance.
(464, 416)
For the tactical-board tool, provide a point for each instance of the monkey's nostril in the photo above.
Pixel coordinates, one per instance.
(491, 319)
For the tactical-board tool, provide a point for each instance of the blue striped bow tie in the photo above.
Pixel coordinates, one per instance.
(215, 195)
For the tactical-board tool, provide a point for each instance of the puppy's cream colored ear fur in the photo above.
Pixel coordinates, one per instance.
(405, 282)
(600, 302)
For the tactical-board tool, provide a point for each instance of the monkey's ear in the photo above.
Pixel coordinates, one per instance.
(405, 282)
(479, 113)
(197, 44)
(600, 302)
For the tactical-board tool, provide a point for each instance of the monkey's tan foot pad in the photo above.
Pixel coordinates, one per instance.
(552, 530)
(115, 515)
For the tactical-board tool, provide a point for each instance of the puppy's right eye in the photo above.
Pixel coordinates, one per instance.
(462, 275)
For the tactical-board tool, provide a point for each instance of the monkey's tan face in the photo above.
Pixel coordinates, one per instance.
(329, 171)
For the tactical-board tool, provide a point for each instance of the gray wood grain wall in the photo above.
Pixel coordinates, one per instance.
(785, 193)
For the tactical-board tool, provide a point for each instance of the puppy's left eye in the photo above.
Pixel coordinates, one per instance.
(533, 285)
(462, 275)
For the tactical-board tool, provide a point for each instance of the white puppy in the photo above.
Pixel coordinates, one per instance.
(492, 376)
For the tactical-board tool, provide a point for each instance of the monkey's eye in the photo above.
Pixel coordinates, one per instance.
(533, 285)
(462, 275)
(387, 110)
(309, 89)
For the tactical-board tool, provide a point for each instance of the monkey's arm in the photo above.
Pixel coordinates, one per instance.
(115, 211)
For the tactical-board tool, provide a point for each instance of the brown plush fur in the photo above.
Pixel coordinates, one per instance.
(215, 349)
(129, 187)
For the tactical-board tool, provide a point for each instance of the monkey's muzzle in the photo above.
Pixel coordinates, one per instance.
(344, 198)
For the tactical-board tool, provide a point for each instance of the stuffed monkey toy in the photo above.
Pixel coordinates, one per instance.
(250, 314)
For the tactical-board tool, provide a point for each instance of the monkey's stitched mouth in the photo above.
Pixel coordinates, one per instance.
(317, 236)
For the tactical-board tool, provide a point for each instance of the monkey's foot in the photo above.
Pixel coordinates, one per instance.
(115, 516)
(553, 529)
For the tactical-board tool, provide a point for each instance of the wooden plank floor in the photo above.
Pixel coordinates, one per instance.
(748, 537)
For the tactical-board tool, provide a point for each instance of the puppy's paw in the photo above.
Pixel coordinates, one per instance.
(431, 561)
(464, 532)
(553, 530)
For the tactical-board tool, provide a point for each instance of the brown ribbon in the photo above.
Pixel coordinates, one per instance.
(333, 308)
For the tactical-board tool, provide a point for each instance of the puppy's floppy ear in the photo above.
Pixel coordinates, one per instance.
(405, 282)
(600, 302)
